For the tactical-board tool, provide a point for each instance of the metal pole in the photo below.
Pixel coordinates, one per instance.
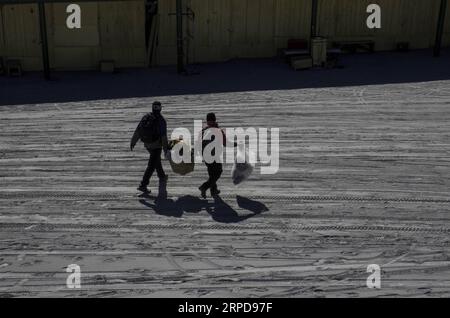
(180, 53)
(44, 42)
(314, 10)
(440, 28)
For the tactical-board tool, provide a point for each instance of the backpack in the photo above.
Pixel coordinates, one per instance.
(149, 130)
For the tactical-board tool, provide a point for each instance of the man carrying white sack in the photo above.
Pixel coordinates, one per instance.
(212, 151)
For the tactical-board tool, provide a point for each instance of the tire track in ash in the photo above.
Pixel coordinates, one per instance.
(297, 198)
(45, 227)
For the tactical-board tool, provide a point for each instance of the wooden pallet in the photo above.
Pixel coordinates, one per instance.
(355, 46)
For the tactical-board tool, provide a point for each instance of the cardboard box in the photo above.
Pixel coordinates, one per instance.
(301, 62)
(13, 67)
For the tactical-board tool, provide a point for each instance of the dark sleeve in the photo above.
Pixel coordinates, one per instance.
(136, 136)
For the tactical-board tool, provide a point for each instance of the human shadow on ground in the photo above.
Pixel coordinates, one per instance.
(219, 210)
(251, 205)
(222, 212)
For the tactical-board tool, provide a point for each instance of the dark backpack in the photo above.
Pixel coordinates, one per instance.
(149, 130)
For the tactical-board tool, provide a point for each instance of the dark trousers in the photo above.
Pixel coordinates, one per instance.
(214, 172)
(154, 163)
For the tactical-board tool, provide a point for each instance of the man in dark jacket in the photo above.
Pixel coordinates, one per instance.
(153, 145)
(214, 168)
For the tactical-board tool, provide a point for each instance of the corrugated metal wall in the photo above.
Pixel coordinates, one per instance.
(110, 31)
(21, 34)
(446, 39)
(113, 30)
(221, 29)
(224, 29)
(2, 37)
(74, 48)
(122, 33)
(413, 21)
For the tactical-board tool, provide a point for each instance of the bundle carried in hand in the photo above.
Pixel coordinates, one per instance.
(181, 168)
(242, 167)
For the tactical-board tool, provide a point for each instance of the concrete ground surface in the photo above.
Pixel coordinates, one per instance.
(364, 179)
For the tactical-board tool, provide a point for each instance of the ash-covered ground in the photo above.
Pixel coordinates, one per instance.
(364, 179)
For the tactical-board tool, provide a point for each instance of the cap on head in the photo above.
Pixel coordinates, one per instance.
(156, 106)
(211, 117)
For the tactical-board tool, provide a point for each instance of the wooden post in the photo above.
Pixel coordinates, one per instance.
(314, 11)
(180, 50)
(44, 41)
(440, 28)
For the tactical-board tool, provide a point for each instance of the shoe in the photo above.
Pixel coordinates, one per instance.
(202, 192)
(143, 189)
(215, 192)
